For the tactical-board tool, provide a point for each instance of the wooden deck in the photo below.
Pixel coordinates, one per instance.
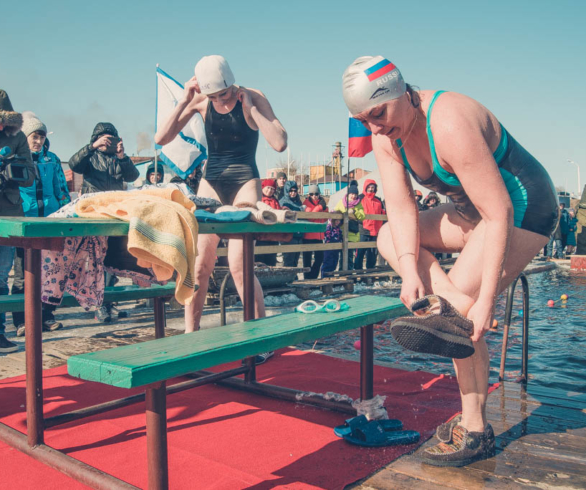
(541, 443)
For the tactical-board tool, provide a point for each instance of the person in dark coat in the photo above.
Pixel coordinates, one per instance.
(314, 203)
(12, 144)
(280, 189)
(103, 163)
(105, 167)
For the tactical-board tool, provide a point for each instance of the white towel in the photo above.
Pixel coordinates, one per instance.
(283, 215)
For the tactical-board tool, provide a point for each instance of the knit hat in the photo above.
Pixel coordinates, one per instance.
(11, 120)
(32, 124)
(151, 169)
(281, 174)
(269, 183)
(313, 189)
(213, 74)
(353, 189)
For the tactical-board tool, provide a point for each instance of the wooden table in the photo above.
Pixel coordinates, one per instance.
(36, 234)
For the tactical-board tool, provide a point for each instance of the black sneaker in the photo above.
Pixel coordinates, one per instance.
(6, 347)
(462, 448)
(119, 313)
(264, 357)
(103, 314)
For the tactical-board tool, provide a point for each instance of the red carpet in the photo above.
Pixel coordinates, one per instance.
(227, 439)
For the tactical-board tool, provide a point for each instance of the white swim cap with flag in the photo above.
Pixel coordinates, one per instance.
(370, 81)
(213, 74)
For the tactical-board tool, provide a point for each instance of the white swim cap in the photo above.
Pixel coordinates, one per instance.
(213, 74)
(370, 81)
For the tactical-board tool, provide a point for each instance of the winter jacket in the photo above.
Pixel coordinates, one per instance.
(271, 201)
(293, 205)
(564, 218)
(49, 190)
(12, 137)
(333, 234)
(102, 171)
(359, 214)
(372, 205)
(311, 207)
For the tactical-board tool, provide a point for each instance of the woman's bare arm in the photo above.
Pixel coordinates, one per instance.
(258, 107)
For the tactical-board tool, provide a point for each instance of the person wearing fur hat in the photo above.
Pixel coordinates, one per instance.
(14, 140)
(351, 204)
(292, 201)
(47, 194)
(103, 163)
(314, 203)
(268, 197)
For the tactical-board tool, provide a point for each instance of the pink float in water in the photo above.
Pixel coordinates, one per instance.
(357, 345)
(551, 303)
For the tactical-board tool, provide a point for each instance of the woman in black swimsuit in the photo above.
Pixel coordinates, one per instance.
(233, 117)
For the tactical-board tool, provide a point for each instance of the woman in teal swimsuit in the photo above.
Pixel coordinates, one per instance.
(503, 209)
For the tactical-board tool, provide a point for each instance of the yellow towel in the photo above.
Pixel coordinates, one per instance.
(162, 233)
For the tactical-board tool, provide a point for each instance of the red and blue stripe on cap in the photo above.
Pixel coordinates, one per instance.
(381, 68)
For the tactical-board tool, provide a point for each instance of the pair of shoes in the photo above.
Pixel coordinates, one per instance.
(437, 328)
(6, 347)
(20, 330)
(350, 425)
(51, 325)
(264, 357)
(376, 433)
(461, 447)
(103, 314)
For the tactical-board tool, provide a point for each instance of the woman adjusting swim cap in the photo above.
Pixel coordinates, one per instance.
(213, 74)
(370, 81)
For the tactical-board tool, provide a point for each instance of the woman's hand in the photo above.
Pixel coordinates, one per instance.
(191, 88)
(245, 99)
(411, 290)
(481, 314)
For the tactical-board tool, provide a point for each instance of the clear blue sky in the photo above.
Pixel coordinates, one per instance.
(77, 63)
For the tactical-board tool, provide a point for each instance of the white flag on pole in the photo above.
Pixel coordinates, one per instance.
(188, 150)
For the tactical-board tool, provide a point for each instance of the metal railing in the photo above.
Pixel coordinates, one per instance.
(525, 341)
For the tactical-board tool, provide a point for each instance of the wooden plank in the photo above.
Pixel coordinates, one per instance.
(150, 362)
(538, 391)
(526, 397)
(15, 302)
(60, 227)
(389, 480)
(519, 407)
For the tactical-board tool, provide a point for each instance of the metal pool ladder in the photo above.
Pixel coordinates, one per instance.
(508, 313)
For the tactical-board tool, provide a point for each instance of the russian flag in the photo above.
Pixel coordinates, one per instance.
(359, 139)
(381, 68)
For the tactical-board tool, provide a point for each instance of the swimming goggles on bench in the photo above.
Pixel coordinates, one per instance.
(330, 306)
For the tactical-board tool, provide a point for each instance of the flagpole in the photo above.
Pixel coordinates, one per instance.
(155, 145)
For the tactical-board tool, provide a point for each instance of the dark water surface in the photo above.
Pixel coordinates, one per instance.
(557, 336)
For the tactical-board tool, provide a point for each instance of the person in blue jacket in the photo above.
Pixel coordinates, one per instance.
(46, 195)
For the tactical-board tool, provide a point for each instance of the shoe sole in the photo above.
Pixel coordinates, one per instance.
(419, 338)
(457, 464)
(8, 350)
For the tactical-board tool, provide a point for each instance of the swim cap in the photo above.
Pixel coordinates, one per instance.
(213, 74)
(370, 81)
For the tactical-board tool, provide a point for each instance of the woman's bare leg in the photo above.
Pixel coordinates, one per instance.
(207, 246)
(444, 231)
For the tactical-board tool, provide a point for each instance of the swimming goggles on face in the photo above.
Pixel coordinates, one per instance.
(330, 306)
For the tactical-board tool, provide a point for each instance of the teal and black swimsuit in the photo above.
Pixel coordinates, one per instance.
(532, 192)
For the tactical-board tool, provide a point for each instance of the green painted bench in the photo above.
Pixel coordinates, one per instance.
(15, 302)
(150, 364)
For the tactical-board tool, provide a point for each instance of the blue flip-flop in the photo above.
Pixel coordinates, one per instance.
(374, 435)
(351, 424)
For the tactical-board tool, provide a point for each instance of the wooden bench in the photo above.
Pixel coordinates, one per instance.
(151, 364)
(114, 294)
